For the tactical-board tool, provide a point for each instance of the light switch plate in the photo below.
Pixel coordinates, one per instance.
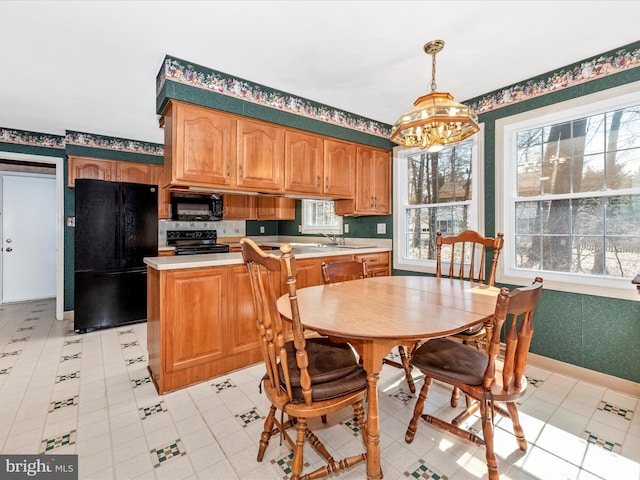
(346, 228)
(382, 228)
(261, 229)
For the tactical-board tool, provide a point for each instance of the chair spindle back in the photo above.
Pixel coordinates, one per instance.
(468, 252)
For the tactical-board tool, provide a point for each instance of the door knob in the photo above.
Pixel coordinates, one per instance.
(8, 240)
(9, 249)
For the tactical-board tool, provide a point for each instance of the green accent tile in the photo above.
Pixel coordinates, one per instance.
(614, 410)
(75, 356)
(10, 354)
(137, 382)
(63, 440)
(226, 385)
(402, 396)
(160, 455)
(68, 376)
(135, 343)
(69, 402)
(249, 417)
(601, 442)
(425, 472)
(131, 361)
(146, 412)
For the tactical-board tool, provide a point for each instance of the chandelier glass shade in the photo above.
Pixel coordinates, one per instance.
(436, 119)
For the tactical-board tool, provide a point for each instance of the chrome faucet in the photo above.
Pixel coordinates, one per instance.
(334, 238)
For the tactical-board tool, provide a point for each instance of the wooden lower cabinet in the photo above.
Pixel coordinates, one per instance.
(200, 321)
(378, 264)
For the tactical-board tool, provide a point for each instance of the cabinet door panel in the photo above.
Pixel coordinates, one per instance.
(339, 169)
(134, 172)
(91, 168)
(260, 156)
(365, 170)
(382, 175)
(303, 168)
(276, 208)
(239, 207)
(243, 335)
(203, 145)
(195, 335)
(164, 195)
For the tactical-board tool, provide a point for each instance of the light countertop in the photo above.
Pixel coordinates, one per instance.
(300, 250)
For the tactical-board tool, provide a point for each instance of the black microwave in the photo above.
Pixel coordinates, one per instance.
(196, 206)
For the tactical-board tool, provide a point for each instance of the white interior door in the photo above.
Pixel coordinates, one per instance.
(28, 238)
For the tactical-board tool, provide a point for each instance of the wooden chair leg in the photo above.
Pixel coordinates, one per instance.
(267, 432)
(455, 396)
(517, 428)
(486, 407)
(417, 411)
(358, 409)
(406, 366)
(298, 458)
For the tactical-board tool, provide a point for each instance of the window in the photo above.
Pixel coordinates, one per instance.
(433, 191)
(571, 190)
(318, 217)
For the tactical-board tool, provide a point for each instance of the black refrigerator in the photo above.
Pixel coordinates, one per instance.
(116, 226)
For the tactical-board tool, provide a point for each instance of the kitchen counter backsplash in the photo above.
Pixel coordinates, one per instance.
(225, 228)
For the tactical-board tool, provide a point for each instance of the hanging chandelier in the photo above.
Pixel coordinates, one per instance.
(435, 119)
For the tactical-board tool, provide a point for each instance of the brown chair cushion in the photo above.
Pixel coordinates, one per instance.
(451, 359)
(333, 369)
(473, 330)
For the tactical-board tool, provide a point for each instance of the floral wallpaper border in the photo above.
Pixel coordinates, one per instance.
(22, 137)
(595, 68)
(35, 139)
(181, 71)
(113, 143)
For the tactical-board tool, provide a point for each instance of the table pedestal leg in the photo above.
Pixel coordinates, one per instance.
(373, 428)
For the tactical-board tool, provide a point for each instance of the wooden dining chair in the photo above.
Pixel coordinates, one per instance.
(466, 256)
(484, 377)
(305, 377)
(343, 271)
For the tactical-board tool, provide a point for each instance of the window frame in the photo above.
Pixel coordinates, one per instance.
(506, 130)
(306, 228)
(400, 189)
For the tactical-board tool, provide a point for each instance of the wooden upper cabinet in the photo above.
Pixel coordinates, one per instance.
(260, 156)
(134, 172)
(276, 208)
(239, 207)
(200, 145)
(373, 184)
(339, 169)
(303, 163)
(91, 168)
(164, 195)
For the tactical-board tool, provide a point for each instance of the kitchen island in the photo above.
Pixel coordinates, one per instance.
(200, 321)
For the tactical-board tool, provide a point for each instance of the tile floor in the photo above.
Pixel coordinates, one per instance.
(90, 394)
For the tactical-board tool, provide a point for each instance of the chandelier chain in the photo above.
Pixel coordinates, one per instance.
(433, 71)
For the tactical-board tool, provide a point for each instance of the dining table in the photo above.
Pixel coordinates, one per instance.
(377, 313)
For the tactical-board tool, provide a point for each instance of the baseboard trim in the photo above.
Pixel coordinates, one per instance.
(584, 374)
(68, 315)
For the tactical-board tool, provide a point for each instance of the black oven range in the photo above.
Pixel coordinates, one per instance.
(195, 242)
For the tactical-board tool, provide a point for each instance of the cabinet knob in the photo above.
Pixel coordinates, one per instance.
(240, 174)
(318, 181)
(228, 171)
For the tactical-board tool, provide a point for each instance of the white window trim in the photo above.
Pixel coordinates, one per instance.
(505, 130)
(400, 260)
(307, 229)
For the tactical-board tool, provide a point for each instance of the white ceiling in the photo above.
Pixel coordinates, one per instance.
(90, 66)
